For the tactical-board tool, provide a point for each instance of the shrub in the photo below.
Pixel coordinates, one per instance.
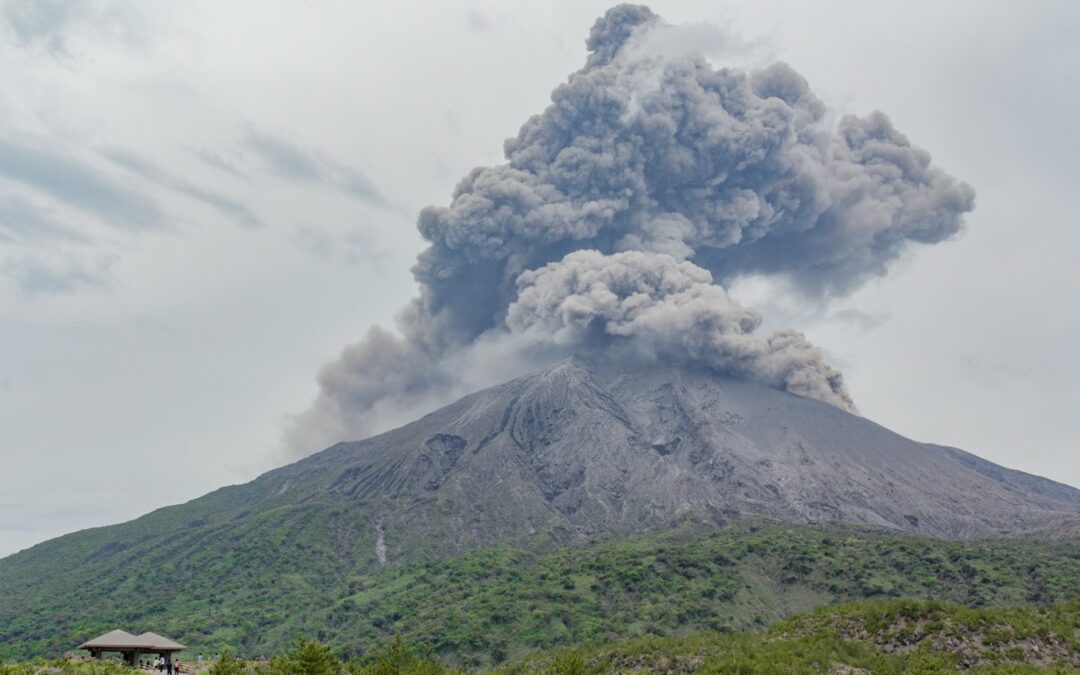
(568, 663)
(306, 657)
(226, 664)
(397, 658)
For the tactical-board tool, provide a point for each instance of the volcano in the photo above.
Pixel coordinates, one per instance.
(594, 447)
(591, 447)
(587, 450)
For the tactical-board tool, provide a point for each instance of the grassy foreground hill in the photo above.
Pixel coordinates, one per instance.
(882, 637)
(503, 603)
(897, 636)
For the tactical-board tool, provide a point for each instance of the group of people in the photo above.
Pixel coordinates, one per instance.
(170, 666)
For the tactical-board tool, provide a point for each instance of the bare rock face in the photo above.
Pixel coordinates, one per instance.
(592, 447)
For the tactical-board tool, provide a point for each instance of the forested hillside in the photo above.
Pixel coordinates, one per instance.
(481, 609)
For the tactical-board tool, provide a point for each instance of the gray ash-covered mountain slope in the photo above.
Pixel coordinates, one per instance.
(583, 448)
(590, 448)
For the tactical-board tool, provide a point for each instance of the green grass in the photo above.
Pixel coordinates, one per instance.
(501, 604)
(892, 636)
(883, 637)
(67, 667)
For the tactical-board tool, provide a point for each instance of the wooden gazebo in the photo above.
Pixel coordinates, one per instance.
(131, 647)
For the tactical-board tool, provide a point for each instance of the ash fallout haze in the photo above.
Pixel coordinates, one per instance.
(232, 235)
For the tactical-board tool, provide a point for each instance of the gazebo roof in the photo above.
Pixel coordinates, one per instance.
(119, 640)
(163, 643)
(113, 638)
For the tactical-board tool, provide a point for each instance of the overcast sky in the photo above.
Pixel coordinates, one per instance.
(202, 202)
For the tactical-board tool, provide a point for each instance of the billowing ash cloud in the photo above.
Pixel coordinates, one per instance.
(669, 309)
(651, 150)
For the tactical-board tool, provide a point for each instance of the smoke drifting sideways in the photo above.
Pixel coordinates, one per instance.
(651, 180)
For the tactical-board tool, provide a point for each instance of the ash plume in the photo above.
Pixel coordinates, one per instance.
(706, 174)
(668, 310)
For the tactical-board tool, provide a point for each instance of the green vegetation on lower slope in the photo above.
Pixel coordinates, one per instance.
(885, 637)
(483, 608)
(503, 603)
